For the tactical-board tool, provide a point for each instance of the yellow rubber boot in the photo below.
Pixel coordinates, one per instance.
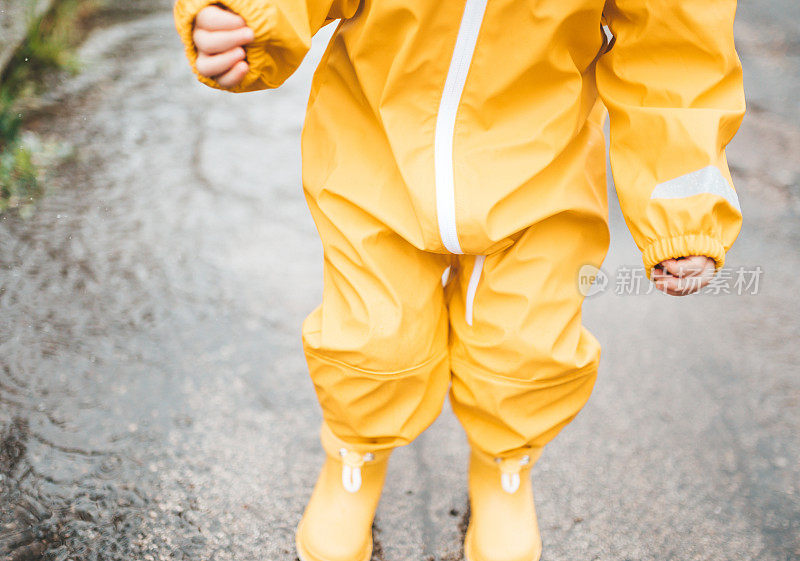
(502, 525)
(337, 523)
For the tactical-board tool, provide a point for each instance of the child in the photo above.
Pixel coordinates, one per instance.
(454, 164)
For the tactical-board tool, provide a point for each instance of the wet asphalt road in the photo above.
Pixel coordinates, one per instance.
(154, 401)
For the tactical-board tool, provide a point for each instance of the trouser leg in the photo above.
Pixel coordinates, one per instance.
(523, 364)
(523, 367)
(377, 345)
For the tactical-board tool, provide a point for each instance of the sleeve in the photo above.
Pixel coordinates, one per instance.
(282, 28)
(672, 83)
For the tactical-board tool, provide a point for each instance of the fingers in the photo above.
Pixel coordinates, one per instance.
(679, 287)
(215, 65)
(234, 76)
(216, 42)
(679, 277)
(687, 266)
(214, 18)
(220, 36)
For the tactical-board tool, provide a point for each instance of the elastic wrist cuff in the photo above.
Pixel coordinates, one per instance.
(683, 246)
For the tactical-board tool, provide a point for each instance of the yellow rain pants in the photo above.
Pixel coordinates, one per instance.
(466, 135)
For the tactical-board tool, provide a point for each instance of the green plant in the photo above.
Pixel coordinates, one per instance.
(10, 121)
(19, 179)
(48, 47)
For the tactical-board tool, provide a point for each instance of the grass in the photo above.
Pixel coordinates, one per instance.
(20, 182)
(49, 47)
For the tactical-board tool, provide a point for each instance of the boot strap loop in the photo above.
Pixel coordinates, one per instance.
(351, 468)
(510, 482)
(509, 472)
(351, 478)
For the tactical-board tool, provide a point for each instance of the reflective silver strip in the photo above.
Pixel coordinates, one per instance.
(472, 287)
(446, 122)
(706, 180)
(446, 276)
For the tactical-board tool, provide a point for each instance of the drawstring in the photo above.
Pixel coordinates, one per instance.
(472, 287)
(351, 468)
(509, 472)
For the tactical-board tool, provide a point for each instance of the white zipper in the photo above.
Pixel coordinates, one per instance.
(446, 121)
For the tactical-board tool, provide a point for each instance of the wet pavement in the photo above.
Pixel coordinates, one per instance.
(154, 400)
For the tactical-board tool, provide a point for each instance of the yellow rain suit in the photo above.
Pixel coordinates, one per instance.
(454, 163)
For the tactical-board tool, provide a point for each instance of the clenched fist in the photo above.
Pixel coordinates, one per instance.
(686, 275)
(219, 36)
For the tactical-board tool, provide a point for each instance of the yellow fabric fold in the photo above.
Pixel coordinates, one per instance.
(683, 246)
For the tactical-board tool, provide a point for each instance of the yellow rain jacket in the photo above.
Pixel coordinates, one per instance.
(468, 134)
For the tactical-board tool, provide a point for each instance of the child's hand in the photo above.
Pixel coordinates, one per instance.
(686, 275)
(219, 36)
